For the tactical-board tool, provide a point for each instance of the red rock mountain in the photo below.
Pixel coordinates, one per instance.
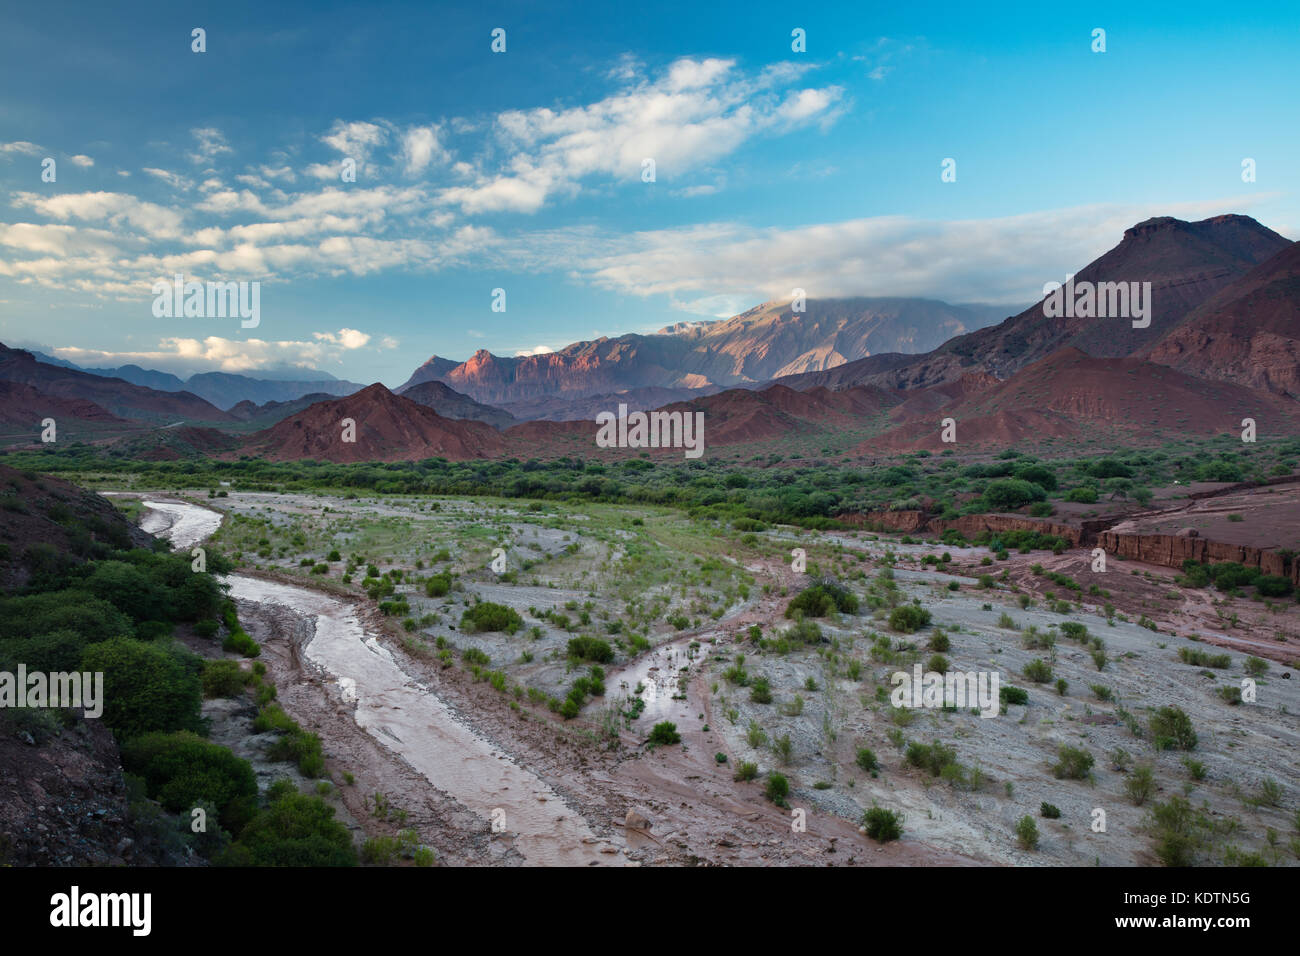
(1070, 395)
(1186, 263)
(24, 405)
(1248, 332)
(432, 370)
(114, 395)
(388, 428)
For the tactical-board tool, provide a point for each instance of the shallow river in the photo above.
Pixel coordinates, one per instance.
(405, 716)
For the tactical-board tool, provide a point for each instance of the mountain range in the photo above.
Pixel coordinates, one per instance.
(1223, 343)
(223, 389)
(768, 341)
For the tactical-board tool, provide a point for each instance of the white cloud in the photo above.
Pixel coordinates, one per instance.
(699, 111)
(119, 209)
(210, 143)
(22, 147)
(174, 180)
(1002, 260)
(535, 350)
(356, 139)
(344, 338)
(420, 148)
(323, 171)
(81, 160)
(184, 356)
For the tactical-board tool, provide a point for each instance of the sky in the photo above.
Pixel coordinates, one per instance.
(525, 170)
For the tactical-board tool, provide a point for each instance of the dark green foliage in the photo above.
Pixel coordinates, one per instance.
(182, 770)
(931, 757)
(822, 599)
(590, 649)
(487, 616)
(1074, 763)
(778, 788)
(908, 618)
(52, 651)
(223, 678)
(1009, 494)
(146, 687)
(294, 830)
(1171, 729)
(665, 733)
(1013, 695)
(883, 825)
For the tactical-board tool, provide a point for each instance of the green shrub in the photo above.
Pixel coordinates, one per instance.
(1074, 763)
(147, 687)
(931, 757)
(294, 830)
(591, 649)
(1008, 494)
(1171, 729)
(1140, 784)
(487, 616)
(665, 733)
(1050, 811)
(1038, 671)
(222, 678)
(1273, 585)
(746, 771)
(866, 759)
(238, 642)
(1013, 695)
(1027, 833)
(821, 599)
(778, 788)
(908, 618)
(883, 825)
(182, 770)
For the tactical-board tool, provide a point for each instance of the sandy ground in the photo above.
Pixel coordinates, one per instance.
(700, 815)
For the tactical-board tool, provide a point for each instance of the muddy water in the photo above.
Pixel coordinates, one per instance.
(659, 676)
(412, 721)
(184, 525)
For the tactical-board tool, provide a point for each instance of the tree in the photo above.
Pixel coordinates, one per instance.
(1007, 494)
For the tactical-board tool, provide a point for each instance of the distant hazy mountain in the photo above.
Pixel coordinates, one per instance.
(452, 404)
(766, 342)
(224, 389)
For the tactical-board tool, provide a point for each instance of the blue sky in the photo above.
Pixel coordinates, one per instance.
(522, 170)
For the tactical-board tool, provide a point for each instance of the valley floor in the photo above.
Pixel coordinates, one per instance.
(694, 612)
